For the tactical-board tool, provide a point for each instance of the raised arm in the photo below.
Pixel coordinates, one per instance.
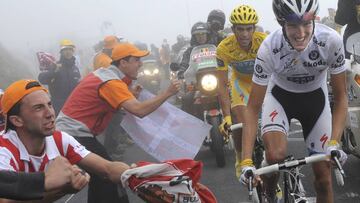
(144, 108)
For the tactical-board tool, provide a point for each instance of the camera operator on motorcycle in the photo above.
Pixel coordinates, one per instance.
(199, 36)
(239, 52)
(216, 22)
(289, 81)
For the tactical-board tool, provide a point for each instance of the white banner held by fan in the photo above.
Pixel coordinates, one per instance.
(168, 132)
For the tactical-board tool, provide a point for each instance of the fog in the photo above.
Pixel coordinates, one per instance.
(28, 26)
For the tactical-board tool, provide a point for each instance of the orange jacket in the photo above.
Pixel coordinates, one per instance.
(101, 60)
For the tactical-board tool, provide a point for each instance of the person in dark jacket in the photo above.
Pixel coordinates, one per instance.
(348, 13)
(63, 77)
(216, 22)
(199, 36)
(33, 186)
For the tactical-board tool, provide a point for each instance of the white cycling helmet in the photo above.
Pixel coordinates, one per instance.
(295, 10)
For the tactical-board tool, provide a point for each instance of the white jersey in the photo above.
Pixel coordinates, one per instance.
(301, 71)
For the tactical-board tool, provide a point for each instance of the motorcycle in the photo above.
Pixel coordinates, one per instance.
(199, 95)
(351, 134)
(149, 75)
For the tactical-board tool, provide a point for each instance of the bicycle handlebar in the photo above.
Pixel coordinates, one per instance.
(290, 164)
(233, 127)
(236, 126)
(339, 172)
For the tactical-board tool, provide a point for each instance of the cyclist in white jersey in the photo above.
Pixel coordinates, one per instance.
(290, 82)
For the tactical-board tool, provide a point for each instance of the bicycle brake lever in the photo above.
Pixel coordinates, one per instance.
(250, 188)
(250, 175)
(334, 155)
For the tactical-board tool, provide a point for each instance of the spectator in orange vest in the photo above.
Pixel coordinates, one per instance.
(103, 58)
(101, 94)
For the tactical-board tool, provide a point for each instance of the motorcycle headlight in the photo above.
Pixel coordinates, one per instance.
(147, 72)
(209, 82)
(156, 71)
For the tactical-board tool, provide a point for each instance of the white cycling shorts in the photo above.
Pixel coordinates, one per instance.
(311, 109)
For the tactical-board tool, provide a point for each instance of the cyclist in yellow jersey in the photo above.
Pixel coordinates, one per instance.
(238, 52)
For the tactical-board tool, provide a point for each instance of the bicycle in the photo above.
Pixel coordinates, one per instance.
(293, 187)
(258, 154)
(294, 191)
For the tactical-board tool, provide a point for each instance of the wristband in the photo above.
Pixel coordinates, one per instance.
(246, 162)
(333, 143)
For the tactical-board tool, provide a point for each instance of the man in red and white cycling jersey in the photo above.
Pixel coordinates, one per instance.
(290, 82)
(30, 141)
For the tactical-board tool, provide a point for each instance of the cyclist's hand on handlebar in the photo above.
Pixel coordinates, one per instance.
(247, 170)
(333, 145)
(223, 126)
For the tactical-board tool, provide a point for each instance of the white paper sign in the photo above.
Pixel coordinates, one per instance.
(168, 132)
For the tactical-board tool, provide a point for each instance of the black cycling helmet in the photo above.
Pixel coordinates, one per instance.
(199, 27)
(218, 16)
(295, 10)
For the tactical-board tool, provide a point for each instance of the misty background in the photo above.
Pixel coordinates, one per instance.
(29, 26)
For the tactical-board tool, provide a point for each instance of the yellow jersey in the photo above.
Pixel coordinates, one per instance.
(229, 54)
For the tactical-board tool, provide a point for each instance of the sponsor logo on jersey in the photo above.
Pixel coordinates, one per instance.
(258, 72)
(313, 55)
(290, 63)
(258, 68)
(337, 51)
(245, 67)
(277, 50)
(314, 64)
(340, 58)
(319, 43)
(301, 80)
(339, 62)
(260, 76)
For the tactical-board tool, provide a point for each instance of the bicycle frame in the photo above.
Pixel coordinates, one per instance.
(293, 188)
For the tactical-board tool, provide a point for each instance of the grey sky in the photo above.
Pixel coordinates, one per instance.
(31, 25)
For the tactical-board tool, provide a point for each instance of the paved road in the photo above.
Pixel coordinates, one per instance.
(226, 188)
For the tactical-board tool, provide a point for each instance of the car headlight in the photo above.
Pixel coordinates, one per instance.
(147, 72)
(156, 71)
(209, 82)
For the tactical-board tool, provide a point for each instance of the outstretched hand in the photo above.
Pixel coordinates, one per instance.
(136, 90)
(174, 87)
